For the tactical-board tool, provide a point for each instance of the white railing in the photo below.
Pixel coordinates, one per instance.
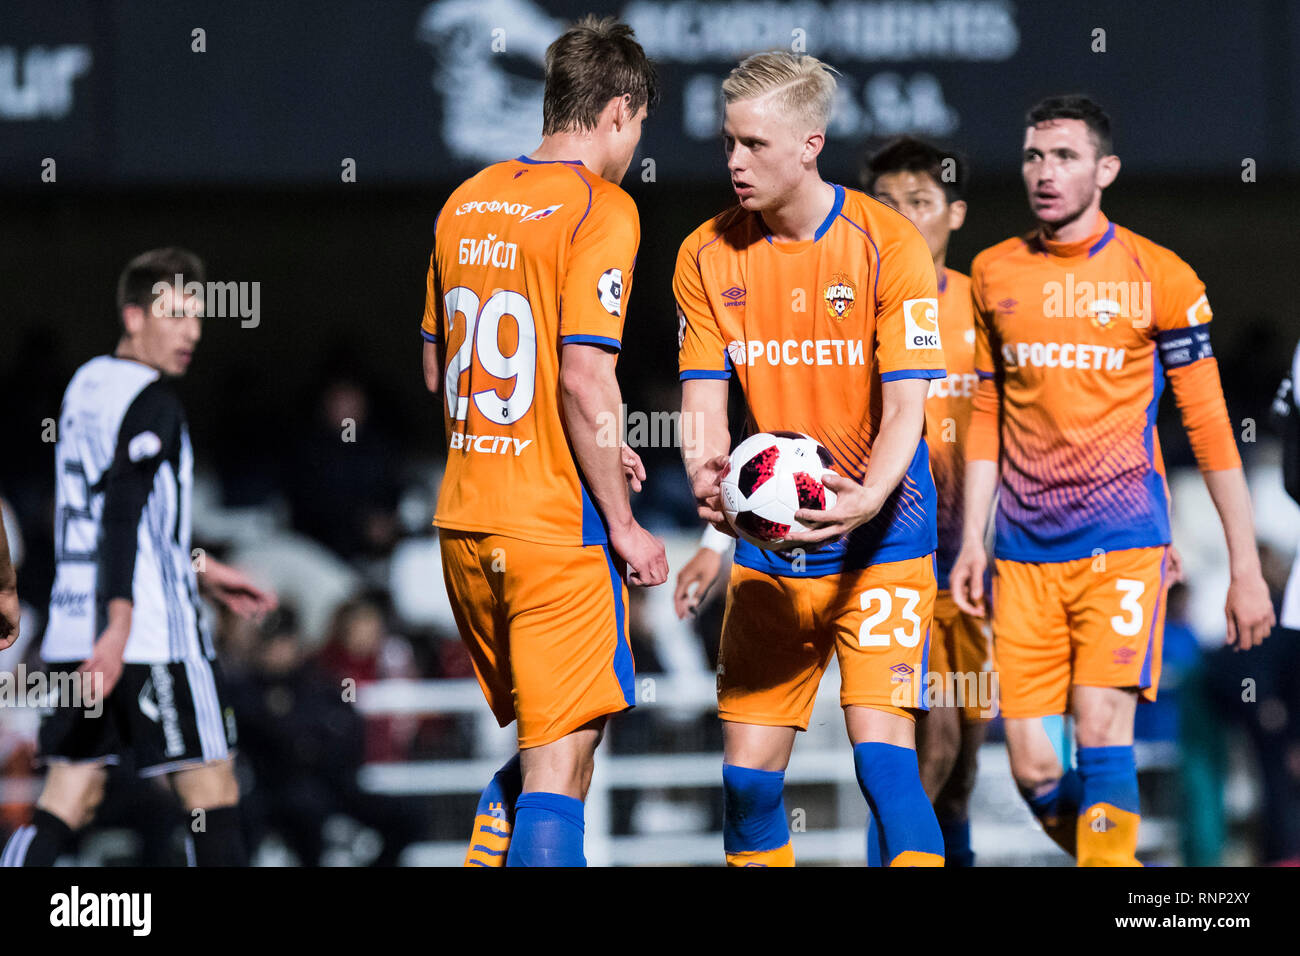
(1004, 832)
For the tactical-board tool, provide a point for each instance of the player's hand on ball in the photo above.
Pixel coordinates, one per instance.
(854, 505)
(1250, 612)
(694, 581)
(647, 564)
(633, 469)
(10, 614)
(967, 579)
(706, 485)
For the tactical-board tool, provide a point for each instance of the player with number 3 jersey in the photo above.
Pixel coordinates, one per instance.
(1078, 324)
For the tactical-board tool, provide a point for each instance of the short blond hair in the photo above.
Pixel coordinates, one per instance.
(805, 86)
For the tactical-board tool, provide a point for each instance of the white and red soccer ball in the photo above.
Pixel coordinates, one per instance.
(773, 475)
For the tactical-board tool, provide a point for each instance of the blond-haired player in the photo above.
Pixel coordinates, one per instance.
(822, 302)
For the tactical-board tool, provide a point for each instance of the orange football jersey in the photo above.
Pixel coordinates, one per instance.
(947, 414)
(1073, 339)
(812, 329)
(528, 256)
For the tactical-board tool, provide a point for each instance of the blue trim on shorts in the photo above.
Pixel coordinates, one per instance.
(623, 665)
(593, 525)
(1144, 680)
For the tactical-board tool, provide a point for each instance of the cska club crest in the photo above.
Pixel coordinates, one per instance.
(840, 294)
(1103, 313)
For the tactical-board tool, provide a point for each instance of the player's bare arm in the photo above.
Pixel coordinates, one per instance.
(902, 421)
(967, 577)
(110, 648)
(1249, 608)
(588, 393)
(235, 590)
(432, 367)
(704, 405)
(694, 581)
(9, 610)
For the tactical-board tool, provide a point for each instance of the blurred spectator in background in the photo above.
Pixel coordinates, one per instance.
(359, 648)
(342, 480)
(305, 745)
(1202, 743)
(1260, 690)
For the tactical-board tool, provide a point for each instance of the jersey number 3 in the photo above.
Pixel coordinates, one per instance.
(482, 340)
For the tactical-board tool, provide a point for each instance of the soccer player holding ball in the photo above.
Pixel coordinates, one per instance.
(1075, 323)
(822, 302)
(926, 184)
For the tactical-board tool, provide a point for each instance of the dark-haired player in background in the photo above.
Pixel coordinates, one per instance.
(528, 287)
(124, 610)
(927, 184)
(1074, 323)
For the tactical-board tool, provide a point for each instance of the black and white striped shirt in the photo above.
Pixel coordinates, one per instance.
(124, 479)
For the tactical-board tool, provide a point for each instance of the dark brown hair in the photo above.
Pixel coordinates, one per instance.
(1077, 107)
(907, 154)
(592, 62)
(135, 285)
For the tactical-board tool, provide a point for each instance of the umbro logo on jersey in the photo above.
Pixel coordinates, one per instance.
(735, 297)
(541, 213)
(1008, 305)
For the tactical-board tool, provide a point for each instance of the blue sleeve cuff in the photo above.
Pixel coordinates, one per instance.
(983, 374)
(428, 336)
(914, 373)
(607, 342)
(703, 373)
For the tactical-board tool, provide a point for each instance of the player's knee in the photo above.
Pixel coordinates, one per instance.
(207, 788)
(75, 798)
(939, 743)
(1034, 771)
(1103, 724)
(753, 809)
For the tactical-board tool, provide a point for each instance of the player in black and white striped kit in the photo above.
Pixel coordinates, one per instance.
(125, 604)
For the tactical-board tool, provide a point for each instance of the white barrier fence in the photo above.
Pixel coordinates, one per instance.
(1004, 832)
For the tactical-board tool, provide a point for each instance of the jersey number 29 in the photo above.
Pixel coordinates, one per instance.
(481, 339)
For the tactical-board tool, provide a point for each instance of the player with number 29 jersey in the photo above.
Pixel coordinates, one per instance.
(528, 256)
